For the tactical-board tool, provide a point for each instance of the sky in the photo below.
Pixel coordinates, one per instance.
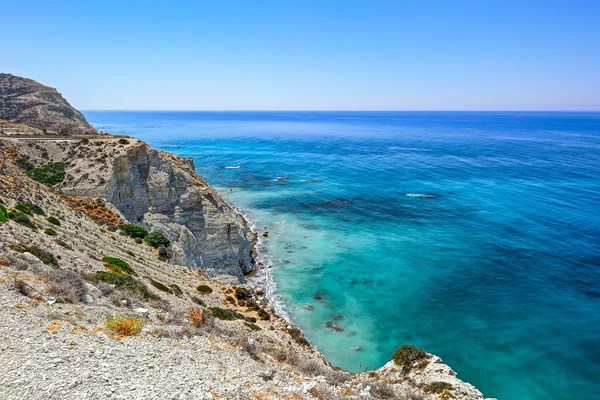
(308, 55)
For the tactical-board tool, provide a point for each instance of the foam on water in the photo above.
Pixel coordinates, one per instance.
(473, 235)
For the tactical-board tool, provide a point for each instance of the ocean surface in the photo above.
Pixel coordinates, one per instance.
(475, 236)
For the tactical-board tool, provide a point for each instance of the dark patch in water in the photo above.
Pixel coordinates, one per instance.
(320, 295)
(328, 205)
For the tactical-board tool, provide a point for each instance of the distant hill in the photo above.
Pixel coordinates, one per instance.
(26, 101)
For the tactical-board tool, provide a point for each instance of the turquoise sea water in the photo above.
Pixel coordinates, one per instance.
(497, 272)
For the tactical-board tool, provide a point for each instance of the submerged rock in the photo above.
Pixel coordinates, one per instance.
(332, 326)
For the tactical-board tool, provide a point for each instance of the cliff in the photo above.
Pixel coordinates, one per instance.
(25, 101)
(157, 190)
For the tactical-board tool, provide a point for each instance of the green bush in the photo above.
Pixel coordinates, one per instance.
(45, 256)
(50, 174)
(117, 265)
(3, 214)
(50, 231)
(298, 336)
(21, 218)
(437, 387)
(25, 164)
(30, 209)
(252, 326)
(224, 314)
(35, 209)
(407, 355)
(23, 208)
(263, 315)
(204, 289)
(124, 282)
(155, 239)
(133, 230)
(159, 285)
(53, 220)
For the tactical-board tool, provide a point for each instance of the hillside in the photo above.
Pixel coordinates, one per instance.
(25, 101)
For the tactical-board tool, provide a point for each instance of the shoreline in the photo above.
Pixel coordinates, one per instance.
(293, 338)
(261, 276)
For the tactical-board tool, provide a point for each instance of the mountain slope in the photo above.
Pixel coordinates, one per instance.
(28, 102)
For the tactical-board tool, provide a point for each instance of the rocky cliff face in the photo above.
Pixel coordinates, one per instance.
(157, 190)
(29, 102)
(163, 193)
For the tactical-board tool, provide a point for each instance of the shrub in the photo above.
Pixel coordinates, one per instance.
(155, 239)
(3, 214)
(117, 265)
(124, 282)
(24, 164)
(53, 220)
(198, 301)
(195, 315)
(62, 243)
(252, 326)
(437, 387)
(298, 336)
(224, 314)
(50, 174)
(117, 297)
(23, 208)
(204, 289)
(176, 289)
(407, 355)
(133, 230)
(382, 390)
(66, 284)
(159, 286)
(163, 254)
(263, 315)
(50, 231)
(23, 288)
(34, 208)
(21, 218)
(44, 256)
(127, 326)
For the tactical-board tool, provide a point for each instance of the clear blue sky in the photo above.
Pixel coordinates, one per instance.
(309, 55)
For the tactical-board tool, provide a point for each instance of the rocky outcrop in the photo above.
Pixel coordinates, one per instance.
(28, 102)
(163, 193)
(157, 190)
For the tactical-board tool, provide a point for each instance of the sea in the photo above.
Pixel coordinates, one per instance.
(472, 235)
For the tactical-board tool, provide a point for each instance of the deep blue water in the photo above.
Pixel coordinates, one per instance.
(498, 272)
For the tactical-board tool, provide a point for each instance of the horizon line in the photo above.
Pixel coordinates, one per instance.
(329, 110)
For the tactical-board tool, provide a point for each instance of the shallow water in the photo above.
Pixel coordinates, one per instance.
(496, 269)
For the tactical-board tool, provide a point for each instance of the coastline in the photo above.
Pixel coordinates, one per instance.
(261, 277)
(280, 325)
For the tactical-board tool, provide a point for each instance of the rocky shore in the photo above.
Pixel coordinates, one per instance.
(123, 275)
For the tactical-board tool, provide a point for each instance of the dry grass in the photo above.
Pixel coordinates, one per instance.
(126, 326)
(196, 316)
(382, 390)
(66, 284)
